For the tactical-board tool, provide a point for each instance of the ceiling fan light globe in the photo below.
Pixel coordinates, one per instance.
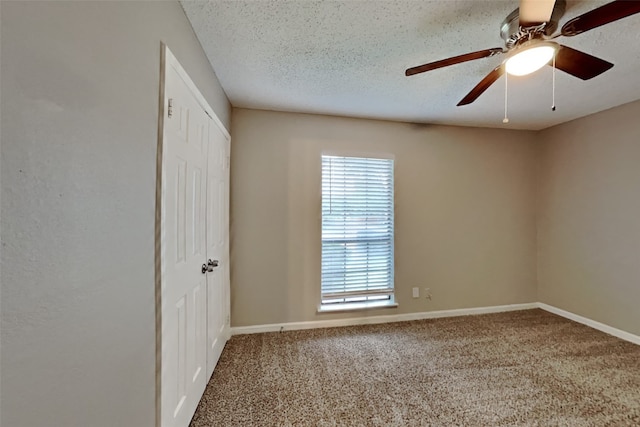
(528, 60)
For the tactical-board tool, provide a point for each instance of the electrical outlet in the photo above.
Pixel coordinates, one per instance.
(416, 292)
(427, 293)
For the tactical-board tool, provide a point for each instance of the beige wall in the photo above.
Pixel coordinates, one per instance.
(79, 84)
(589, 217)
(465, 217)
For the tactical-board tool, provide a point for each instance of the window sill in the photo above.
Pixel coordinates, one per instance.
(356, 306)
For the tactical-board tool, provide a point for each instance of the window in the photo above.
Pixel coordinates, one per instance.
(357, 232)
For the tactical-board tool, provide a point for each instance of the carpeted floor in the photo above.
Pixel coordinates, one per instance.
(526, 368)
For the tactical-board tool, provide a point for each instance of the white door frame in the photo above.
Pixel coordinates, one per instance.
(167, 59)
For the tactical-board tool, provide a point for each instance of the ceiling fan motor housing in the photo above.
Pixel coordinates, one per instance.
(513, 34)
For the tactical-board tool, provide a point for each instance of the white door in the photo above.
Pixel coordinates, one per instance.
(217, 245)
(192, 298)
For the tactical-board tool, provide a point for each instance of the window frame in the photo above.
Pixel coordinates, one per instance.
(367, 303)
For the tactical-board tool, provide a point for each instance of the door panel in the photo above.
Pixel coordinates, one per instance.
(217, 247)
(183, 376)
(194, 225)
(181, 363)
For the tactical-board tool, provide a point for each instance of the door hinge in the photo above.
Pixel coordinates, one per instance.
(228, 319)
(170, 109)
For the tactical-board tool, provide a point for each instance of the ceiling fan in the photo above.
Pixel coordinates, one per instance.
(527, 33)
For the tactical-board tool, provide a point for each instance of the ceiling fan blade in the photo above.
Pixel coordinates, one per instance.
(535, 12)
(602, 15)
(453, 60)
(580, 64)
(482, 86)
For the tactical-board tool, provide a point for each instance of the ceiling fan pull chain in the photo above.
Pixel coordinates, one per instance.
(506, 79)
(553, 85)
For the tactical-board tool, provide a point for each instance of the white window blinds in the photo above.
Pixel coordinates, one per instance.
(357, 229)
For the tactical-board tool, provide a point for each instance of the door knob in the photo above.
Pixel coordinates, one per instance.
(212, 264)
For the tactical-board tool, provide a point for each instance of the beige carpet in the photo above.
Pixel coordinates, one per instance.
(527, 368)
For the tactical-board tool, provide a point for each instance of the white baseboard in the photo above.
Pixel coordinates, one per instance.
(275, 327)
(591, 323)
(292, 326)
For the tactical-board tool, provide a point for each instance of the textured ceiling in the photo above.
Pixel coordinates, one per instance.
(348, 58)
